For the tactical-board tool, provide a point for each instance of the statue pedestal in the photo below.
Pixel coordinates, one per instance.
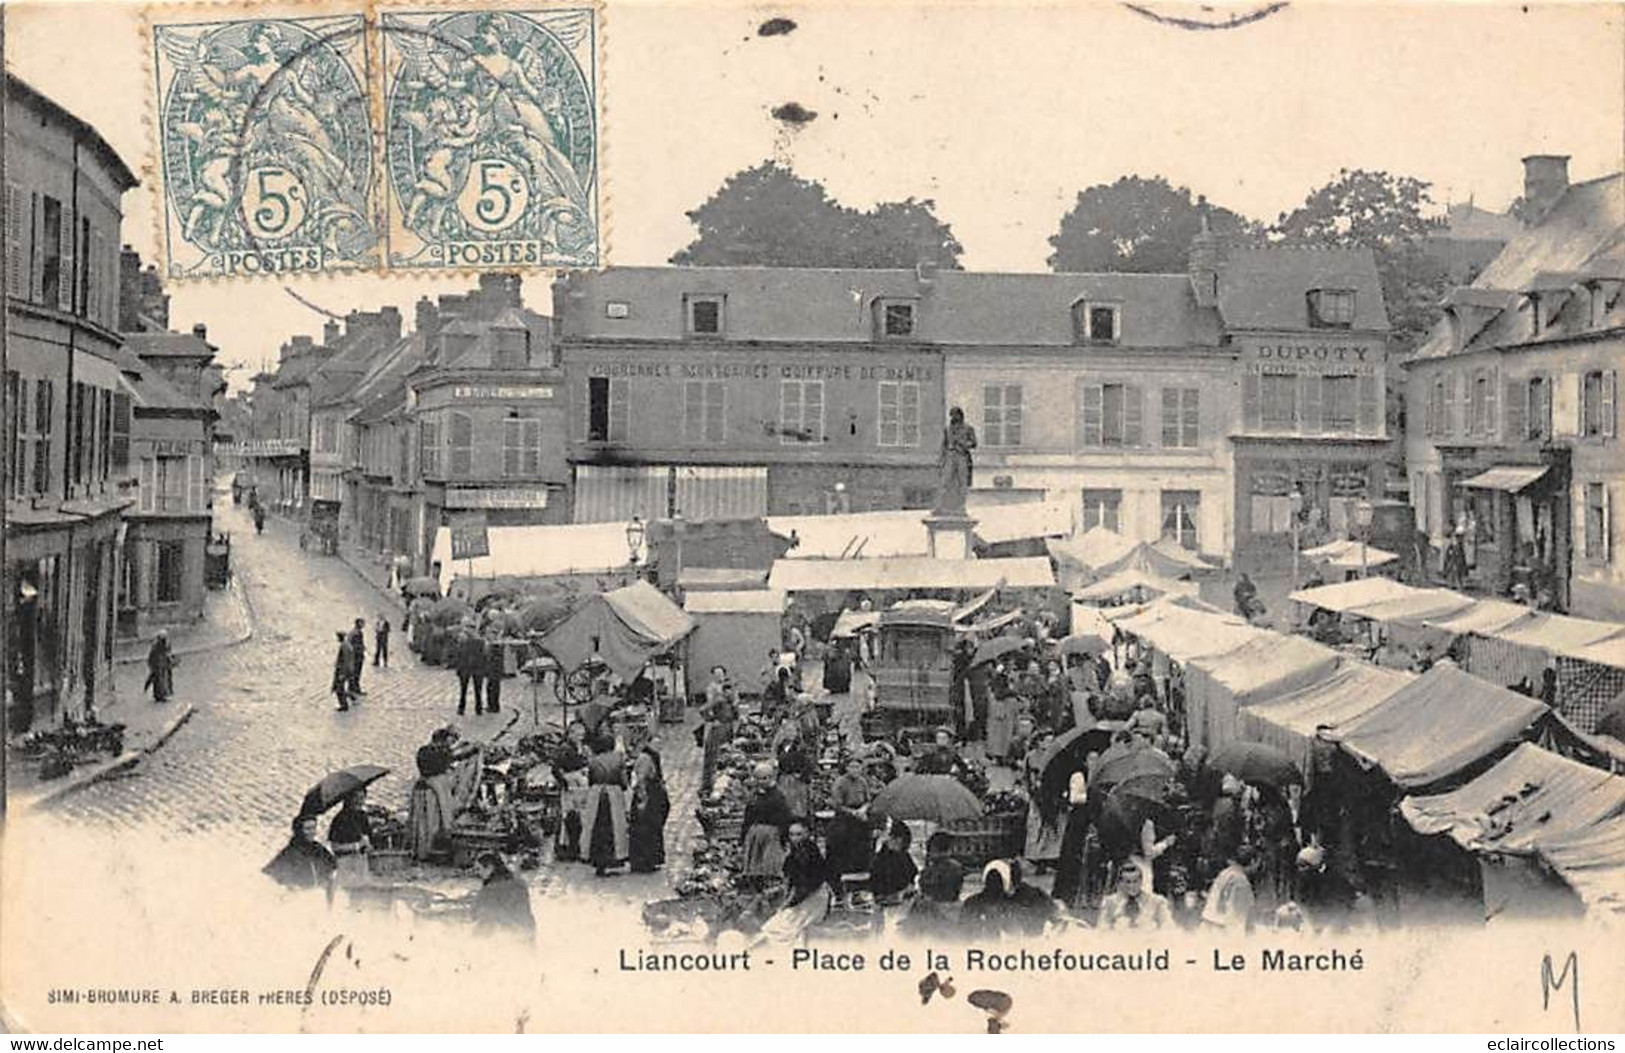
(950, 535)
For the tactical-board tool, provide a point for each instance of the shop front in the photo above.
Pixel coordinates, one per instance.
(1329, 479)
(1514, 516)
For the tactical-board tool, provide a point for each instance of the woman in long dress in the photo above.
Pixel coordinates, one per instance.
(448, 778)
(650, 807)
(767, 827)
(161, 662)
(1001, 725)
(848, 841)
(608, 845)
(350, 835)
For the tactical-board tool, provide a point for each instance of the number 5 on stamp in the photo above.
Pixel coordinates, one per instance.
(491, 138)
(264, 146)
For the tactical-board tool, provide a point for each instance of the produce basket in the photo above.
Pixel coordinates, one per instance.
(387, 862)
(468, 842)
(972, 842)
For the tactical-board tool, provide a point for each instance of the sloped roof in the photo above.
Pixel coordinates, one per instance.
(382, 404)
(1465, 221)
(1290, 722)
(1592, 861)
(908, 572)
(1583, 235)
(482, 353)
(178, 345)
(17, 88)
(151, 390)
(1268, 288)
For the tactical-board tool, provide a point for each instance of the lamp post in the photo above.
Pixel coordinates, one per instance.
(1296, 500)
(636, 532)
(1362, 515)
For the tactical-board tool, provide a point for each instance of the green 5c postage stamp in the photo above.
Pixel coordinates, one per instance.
(264, 148)
(491, 132)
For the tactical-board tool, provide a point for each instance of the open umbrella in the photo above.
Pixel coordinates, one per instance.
(421, 587)
(1084, 643)
(938, 798)
(1074, 746)
(336, 786)
(996, 648)
(1256, 762)
(1123, 814)
(1125, 766)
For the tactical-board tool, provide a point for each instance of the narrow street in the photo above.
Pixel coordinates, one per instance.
(266, 726)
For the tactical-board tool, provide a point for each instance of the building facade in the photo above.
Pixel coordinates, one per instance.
(733, 393)
(1514, 439)
(66, 410)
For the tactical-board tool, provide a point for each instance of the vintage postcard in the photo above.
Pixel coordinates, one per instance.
(723, 516)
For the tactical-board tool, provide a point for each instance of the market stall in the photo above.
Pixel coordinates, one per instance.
(1134, 585)
(1436, 725)
(1290, 721)
(1592, 862)
(1217, 687)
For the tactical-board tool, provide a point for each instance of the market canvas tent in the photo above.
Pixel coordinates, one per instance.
(1592, 862)
(1347, 597)
(1436, 725)
(1349, 555)
(1289, 722)
(536, 552)
(1130, 578)
(735, 630)
(904, 573)
(1217, 687)
(1161, 558)
(625, 628)
(1480, 616)
(1507, 814)
(1185, 634)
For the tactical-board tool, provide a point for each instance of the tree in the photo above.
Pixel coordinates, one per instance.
(1384, 213)
(768, 216)
(1140, 225)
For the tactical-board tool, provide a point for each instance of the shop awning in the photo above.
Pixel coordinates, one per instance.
(1290, 722)
(1437, 725)
(1217, 686)
(1125, 581)
(1508, 478)
(1483, 617)
(1185, 635)
(727, 579)
(919, 572)
(1347, 555)
(866, 535)
(1094, 548)
(1557, 634)
(1531, 795)
(997, 524)
(1418, 606)
(1607, 652)
(1592, 861)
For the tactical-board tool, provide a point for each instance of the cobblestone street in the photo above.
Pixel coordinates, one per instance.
(266, 726)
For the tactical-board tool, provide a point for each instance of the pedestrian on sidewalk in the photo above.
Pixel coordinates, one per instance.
(259, 519)
(358, 654)
(380, 642)
(469, 661)
(161, 663)
(494, 659)
(341, 671)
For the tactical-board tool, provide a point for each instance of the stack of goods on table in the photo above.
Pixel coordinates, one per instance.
(1000, 832)
(75, 742)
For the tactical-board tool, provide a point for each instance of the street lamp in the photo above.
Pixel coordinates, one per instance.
(1362, 515)
(1296, 500)
(635, 534)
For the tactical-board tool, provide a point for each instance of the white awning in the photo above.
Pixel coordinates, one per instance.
(1510, 478)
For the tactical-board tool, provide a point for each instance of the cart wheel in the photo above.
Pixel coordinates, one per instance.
(579, 683)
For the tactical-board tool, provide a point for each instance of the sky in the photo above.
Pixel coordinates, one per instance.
(1000, 112)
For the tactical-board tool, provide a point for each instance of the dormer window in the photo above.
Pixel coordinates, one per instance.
(895, 319)
(1097, 323)
(1331, 308)
(703, 315)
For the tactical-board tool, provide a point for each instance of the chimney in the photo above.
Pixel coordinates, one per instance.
(1545, 178)
(201, 331)
(498, 292)
(330, 332)
(428, 319)
(1205, 258)
(389, 324)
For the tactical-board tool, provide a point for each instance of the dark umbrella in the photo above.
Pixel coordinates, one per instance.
(938, 798)
(1125, 812)
(996, 648)
(1256, 762)
(1126, 766)
(1084, 643)
(421, 587)
(1075, 744)
(338, 785)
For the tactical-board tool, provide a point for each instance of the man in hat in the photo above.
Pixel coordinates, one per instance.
(358, 652)
(1327, 898)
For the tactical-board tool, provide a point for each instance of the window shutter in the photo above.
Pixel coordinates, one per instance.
(533, 448)
(1453, 384)
(462, 444)
(1515, 411)
(44, 427)
(1370, 413)
(1607, 523)
(1091, 414)
(1170, 416)
(1609, 402)
(789, 409)
(1193, 417)
(1249, 402)
(1492, 382)
(1311, 395)
(67, 282)
(813, 406)
(149, 484)
(194, 483)
(513, 433)
(1133, 415)
(15, 242)
(908, 414)
(36, 250)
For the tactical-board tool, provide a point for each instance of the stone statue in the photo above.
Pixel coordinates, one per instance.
(958, 440)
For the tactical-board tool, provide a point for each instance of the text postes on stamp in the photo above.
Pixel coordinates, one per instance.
(265, 146)
(491, 138)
